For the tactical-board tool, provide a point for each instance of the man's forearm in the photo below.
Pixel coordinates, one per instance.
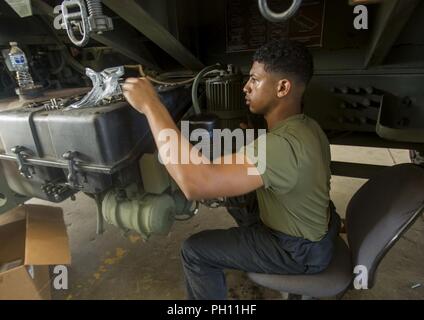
(222, 180)
(184, 174)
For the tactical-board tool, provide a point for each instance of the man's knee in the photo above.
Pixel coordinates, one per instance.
(192, 247)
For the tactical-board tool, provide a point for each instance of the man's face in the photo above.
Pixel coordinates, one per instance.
(261, 89)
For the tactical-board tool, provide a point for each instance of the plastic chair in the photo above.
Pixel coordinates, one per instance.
(378, 214)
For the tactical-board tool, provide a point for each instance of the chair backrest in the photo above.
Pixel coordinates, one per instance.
(381, 211)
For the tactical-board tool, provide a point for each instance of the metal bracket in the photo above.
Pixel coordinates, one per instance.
(56, 192)
(21, 156)
(95, 22)
(100, 220)
(394, 117)
(79, 19)
(71, 157)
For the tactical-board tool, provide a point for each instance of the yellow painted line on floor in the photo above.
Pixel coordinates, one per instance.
(120, 253)
(134, 238)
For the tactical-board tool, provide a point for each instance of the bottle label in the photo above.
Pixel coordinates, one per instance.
(19, 59)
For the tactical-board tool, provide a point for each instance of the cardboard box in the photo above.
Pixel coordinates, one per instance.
(32, 238)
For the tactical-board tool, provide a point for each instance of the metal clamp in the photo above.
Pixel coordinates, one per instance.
(71, 157)
(94, 21)
(79, 19)
(272, 16)
(21, 156)
(97, 21)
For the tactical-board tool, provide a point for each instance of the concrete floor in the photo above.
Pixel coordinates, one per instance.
(118, 266)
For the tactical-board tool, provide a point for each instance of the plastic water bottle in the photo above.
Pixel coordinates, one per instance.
(20, 65)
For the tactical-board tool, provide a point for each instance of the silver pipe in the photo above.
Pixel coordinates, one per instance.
(60, 165)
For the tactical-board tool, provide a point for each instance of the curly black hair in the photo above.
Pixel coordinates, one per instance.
(286, 57)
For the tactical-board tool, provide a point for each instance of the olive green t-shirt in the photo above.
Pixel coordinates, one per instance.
(295, 196)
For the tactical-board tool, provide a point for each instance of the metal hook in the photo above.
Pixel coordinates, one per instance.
(270, 15)
(79, 17)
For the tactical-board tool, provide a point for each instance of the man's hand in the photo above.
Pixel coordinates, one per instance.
(140, 94)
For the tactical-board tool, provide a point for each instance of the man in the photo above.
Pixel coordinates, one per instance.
(292, 232)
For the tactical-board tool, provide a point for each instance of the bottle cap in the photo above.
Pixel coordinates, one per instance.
(13, 43)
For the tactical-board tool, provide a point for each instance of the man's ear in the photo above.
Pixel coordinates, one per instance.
(284, 87)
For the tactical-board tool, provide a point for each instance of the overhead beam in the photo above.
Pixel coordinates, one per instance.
(135, 15)
(392, 17)
(120, 42)
(116, 39)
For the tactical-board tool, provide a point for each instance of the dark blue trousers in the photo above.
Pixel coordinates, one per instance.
(251, 247)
